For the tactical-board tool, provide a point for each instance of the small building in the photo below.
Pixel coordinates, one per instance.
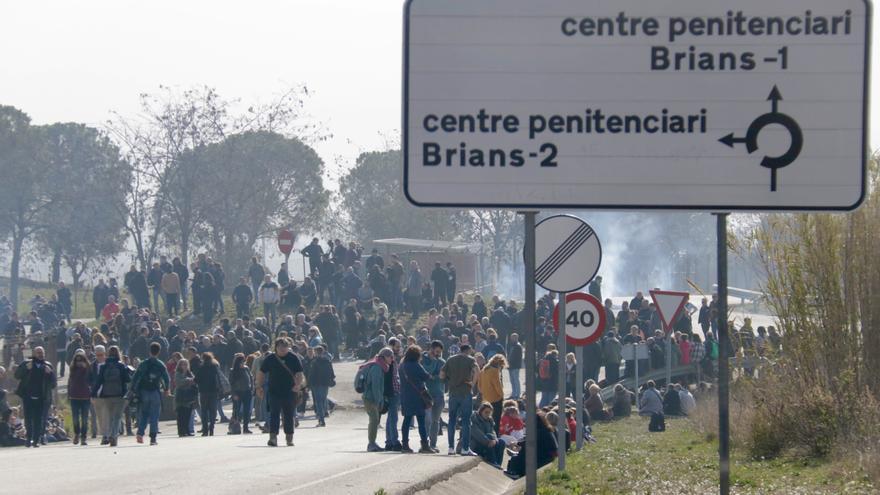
(464, 256)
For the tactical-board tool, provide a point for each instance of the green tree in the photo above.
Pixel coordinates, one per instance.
(371, 198)
(86, 181)
(257, 182)
(24, 193)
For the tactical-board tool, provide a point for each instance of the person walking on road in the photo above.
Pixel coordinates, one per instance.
(459, 373)
(150, 379)
(285, 381)
(242, 385)
(207, 378)
(79, 393)
(186, 396)
(36, 381)
(392, 398)
(321, 379)
(433, 362)
(370, 381)
(414, 398)
(110, 389)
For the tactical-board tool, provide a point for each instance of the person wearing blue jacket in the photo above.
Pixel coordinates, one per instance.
(150, 379)
(374, 393)
(432, 361)
(412, 382)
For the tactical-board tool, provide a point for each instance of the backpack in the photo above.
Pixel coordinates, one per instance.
(112, 386)
(360, 378)
(713, 350)
(544, 369)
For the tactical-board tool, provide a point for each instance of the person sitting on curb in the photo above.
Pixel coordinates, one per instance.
(484, 441)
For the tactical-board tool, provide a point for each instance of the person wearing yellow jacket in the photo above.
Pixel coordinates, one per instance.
(491, 387)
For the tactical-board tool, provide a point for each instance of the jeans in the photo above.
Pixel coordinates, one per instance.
(407, 422)
(183, 417)
(547, 397)
(172, 304)
(612, 373)
(79, 410)
(319, 395)
(281, 408)
(33, 418)
(242, 310)
(241, 408)
(373, 427)
(515, 385)
(460, 408)
(183, 294)
(432, 419)
(220, 410)
(208, 412)
(148, 412)
(492, 455)
(157, 294)
(391, 436)
(62, 361)
(269, 311)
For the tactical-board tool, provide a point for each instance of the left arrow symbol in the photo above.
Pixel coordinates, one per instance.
(730, 140)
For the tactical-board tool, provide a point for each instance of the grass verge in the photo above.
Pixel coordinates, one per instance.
(629, 459)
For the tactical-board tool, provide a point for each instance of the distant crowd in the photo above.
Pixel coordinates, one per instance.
(269, 368)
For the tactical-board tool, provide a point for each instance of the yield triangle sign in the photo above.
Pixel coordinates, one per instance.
(669, 304)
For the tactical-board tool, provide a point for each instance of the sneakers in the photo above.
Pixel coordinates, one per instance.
(426, 449)
(451, 451)
(468, 453)
(153, 442)
(140, 439)
(373, 447)
(112, 442)
(76, 439)
(406, 450)
(105, 441)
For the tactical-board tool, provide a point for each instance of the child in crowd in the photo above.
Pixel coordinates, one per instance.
(512, 428)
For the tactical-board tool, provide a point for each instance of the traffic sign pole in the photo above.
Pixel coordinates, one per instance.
(579, 396)
(723, 371)
(531, 342)
(560, 384)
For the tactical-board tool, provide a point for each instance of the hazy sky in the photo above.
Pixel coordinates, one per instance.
(77, 60)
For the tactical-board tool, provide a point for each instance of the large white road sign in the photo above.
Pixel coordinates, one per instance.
(620, 104)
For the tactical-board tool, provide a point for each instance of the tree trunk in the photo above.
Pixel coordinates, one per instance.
(184, 248)
(56, 265)
(17, 242)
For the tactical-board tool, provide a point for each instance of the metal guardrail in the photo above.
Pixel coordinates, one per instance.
(688, 369)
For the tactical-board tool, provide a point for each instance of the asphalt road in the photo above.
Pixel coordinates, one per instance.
(331, 460)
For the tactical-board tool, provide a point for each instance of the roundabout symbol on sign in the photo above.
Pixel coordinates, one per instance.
(585, 319)
(773, 117)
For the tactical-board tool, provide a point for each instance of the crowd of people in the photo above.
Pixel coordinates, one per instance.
(278, 354)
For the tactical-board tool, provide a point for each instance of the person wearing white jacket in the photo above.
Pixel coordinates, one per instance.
(269, 295)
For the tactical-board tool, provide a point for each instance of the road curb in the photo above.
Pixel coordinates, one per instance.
(438, 478)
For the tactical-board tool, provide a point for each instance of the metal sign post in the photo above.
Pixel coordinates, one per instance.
(579, 397)
(723, 355)
(560, 385)
(531, 342)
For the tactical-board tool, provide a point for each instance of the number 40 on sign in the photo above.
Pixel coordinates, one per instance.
(585, 319)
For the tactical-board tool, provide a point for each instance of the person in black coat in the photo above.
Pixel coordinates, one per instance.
(208, 380)
(440, 278)
(99, 297)
(547, 449)
(321, 378)
(183, 274)
(136, 283)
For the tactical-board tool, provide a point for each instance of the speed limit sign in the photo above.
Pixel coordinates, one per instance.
(584, 319)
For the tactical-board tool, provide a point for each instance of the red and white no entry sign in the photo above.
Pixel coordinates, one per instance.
(285, 242)
(585, 319)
